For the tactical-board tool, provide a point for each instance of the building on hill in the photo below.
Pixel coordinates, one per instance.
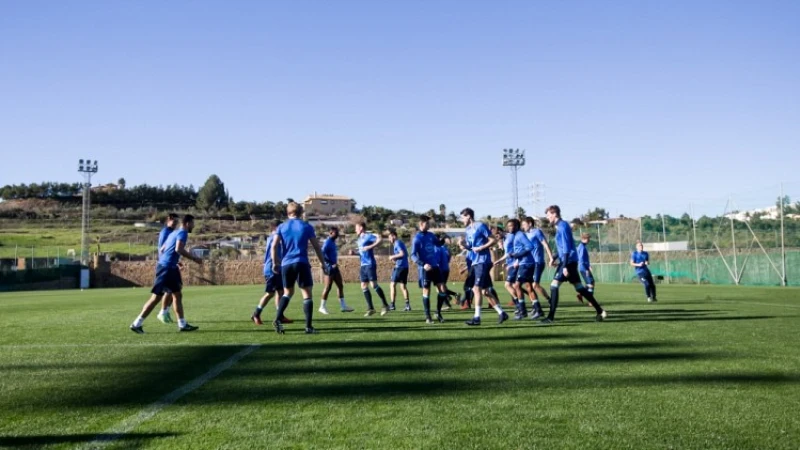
(110, 187)
(327, 205)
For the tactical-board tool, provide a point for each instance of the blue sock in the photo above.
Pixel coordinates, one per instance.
(426, 305)
(368, 296)
(308, 309)
(379, 291)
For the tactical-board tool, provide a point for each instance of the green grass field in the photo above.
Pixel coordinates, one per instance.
(706, 367)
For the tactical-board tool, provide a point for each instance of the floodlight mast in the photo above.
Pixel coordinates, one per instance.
(87, 168)
(514, 159)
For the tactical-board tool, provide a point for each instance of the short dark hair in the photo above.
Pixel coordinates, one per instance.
(188, 218)
(362, 224)
(528, 219)
(553, 209)
(393, 233)
(515, 222)
(334, 228)
(424, 218)
(276, 223)
(172, 216)
(468, 212)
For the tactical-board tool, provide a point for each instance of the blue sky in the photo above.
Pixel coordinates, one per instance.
(637, 106)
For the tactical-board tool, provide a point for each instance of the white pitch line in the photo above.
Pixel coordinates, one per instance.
(126, 426)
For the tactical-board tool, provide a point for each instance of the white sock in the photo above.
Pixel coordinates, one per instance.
(181, 323)
(138, 322)
(165, 311)
(477, 311)
(322, 304)
(498, 308)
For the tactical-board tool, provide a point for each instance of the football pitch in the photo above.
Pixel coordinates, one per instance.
(706, 367)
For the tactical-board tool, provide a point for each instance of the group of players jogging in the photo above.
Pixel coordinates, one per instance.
(286, 264)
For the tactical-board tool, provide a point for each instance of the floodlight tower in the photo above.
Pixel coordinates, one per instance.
(87, 168)
(514, 159)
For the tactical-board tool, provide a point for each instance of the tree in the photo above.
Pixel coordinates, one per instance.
(595, 214)
(121, 183)
(442, 212)
(212, 194)
(521, 214)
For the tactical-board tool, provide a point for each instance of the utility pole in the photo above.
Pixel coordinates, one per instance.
(87, 168)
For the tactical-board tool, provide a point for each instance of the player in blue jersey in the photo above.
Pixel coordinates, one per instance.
(400, 271)
(568, 267)
(330, 267)
(479, 240)
(168, 277)
(469, 282)
(369, 268)
(166, 300)
(584, 266)
(290, 259)
(540, 246)
(640, 260)
(444, 268)
(273, 281)
(425, 254)
(521, 268)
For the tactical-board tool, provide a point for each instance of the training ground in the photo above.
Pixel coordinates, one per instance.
(706, 367)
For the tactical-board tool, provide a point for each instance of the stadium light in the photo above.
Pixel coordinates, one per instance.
(87, 168)
(514, 159)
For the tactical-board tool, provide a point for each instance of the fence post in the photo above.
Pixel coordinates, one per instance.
(783, 246)
(696, 256)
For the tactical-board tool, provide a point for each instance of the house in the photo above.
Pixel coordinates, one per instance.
(327, 205)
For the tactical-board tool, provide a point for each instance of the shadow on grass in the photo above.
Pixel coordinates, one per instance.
(37, 441)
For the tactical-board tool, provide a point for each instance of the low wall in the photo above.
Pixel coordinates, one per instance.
(141, 273)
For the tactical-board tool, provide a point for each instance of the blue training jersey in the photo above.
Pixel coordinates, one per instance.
(170, 256)
(565, 243)
(536, 237)
(329, 251)
(508, 246)
(583, 257)
(522, 249)
(444, 259)
(640, 257)
(162, 237)
(268, 256)
(478, 235)
(398, 247)
(367, 256)
(423, 249)
(295, 235)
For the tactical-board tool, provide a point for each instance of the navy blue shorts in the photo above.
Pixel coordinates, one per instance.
(299, 273)
(511, 274)
(483, 278)
(400, 275)
(469, 282)
(168, 279)
(525, 273)
(274, 283)
(538, 270)
(368, 273)
(444, 275)
(332, 272)
(587, 277)
(431, 277)
(574, 276)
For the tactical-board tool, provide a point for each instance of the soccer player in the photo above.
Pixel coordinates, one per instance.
(640, 259)
(540, 246)
(330, 268)
(166, 301)
(274, 282)
(424, 253)
(400, 271)
(520, 268)
(444, 268)
(584, 266)
(369, 268)
(469, 282)
(479, 241)
(168, 276)
(292, 239)
(568, 267)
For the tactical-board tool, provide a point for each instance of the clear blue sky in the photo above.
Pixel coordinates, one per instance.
(636, 106)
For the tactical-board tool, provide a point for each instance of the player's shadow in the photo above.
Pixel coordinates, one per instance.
(129, 440)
